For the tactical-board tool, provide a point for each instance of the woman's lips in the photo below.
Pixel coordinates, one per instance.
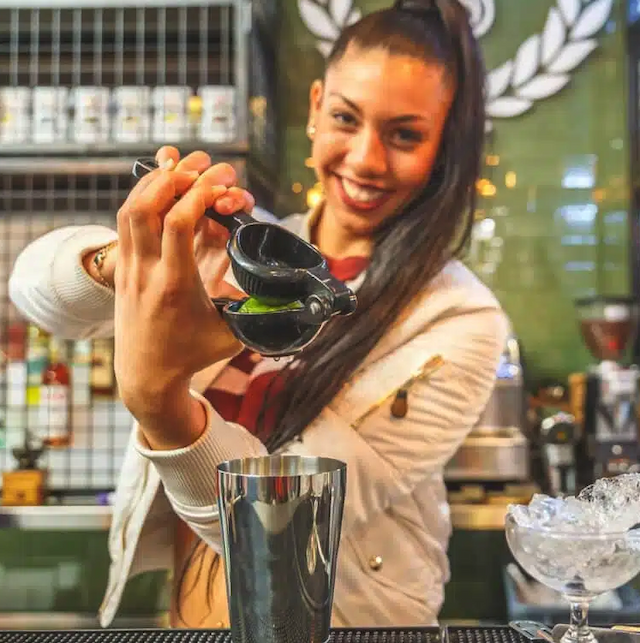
(360, 197)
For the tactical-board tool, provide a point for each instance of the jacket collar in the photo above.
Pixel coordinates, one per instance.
(309, 221)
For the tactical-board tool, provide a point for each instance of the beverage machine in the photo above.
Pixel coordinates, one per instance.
(608, 404)
(497, 449)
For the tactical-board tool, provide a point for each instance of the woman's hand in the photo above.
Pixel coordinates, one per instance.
(210, 242)
(210, 239)
(166, 328)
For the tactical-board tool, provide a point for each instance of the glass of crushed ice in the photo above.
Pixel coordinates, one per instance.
(580, 546)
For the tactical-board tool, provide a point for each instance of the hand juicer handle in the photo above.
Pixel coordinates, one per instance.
(231, 222)
(220, 303)
(342, 299)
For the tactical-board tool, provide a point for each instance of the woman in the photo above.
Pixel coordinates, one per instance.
(396, 127)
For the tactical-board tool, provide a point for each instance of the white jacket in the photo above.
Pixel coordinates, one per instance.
(392, 563)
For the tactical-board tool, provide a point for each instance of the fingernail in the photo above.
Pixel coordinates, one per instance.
(191, 174)
(168, 164)
(226, 203)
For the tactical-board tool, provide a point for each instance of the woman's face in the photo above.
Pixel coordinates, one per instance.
(378, 122)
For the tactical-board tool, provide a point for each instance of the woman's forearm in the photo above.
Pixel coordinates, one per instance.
(174, 423)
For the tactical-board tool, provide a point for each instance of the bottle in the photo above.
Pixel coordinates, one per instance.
(81, 365)
(103, 383)
(37, 360)
(17, 378)
(55, 398)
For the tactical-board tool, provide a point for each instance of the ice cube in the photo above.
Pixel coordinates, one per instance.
(602, 510)
(520, 514)
(543, 508)
(616, 501)
(609, 505)
(539, 513)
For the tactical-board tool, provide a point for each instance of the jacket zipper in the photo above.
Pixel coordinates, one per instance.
(426, 370)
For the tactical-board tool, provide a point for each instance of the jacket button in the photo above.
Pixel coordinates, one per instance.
(375, 562)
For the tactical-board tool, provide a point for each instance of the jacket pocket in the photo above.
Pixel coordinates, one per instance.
(391, 558)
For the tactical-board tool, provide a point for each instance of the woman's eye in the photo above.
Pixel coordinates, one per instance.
(343, 118)
(407, 136)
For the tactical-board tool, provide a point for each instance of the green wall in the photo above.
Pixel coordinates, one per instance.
(53, 571)
(543, 244)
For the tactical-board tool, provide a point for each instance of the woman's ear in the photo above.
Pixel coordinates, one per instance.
(315, 101)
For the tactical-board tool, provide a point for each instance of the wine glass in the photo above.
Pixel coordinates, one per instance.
(579, 564)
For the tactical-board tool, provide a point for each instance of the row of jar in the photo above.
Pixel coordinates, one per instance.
(134, 114)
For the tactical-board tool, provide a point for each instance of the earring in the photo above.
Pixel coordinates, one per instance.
(311, 130)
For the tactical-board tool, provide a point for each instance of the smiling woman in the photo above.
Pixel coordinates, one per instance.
(379, 119)
(397, 125)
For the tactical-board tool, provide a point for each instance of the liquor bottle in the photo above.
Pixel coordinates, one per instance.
(55, 398)
(103, 382)
(37, 360)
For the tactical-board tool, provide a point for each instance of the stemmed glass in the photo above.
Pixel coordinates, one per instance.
(579, 564)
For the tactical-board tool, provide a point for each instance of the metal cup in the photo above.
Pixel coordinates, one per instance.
(281, 518)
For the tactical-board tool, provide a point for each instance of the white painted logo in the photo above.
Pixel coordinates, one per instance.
(540, 68)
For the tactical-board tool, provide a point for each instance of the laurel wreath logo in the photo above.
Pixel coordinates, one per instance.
(540, 68)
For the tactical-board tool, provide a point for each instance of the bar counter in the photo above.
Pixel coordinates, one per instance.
(445, 634)
(467, 517)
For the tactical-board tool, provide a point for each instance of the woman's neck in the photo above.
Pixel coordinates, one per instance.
(337, 242)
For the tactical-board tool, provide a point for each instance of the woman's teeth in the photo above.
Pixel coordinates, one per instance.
(359, 192)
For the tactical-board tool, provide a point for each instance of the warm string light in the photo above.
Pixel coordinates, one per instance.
(314, 195)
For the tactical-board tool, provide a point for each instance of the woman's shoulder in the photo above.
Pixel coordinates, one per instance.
(294, 222)
(455, 295)
(458, 282)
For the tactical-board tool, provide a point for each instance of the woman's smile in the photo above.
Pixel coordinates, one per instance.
(360, 196)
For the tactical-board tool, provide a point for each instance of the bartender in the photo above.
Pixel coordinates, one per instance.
(396, 133)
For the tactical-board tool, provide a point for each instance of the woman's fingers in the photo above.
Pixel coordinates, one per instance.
(198, 161)
(235, 200)
(125, 244)
(144, 213)
(219, 174)
(179, 229)
(167, 157)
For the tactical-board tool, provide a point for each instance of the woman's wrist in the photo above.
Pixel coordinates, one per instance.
(103, 270)
(175, 421)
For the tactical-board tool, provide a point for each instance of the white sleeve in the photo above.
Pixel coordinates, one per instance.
(386, 457)
(50, 287)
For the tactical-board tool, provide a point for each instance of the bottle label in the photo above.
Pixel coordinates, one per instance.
(91, 123)
(218, 114)
(133, 116)
(50, 114)
(170, 113)
(54, 410)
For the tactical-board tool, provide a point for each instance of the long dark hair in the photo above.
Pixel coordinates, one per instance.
(412, 247)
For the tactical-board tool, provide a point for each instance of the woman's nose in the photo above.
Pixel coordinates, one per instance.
(368, 154)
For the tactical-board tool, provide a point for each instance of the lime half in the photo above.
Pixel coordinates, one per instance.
(255, 305)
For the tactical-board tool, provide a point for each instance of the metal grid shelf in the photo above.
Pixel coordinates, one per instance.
(107, 48)
(34, 201)
(101, 150)
(95, 78)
